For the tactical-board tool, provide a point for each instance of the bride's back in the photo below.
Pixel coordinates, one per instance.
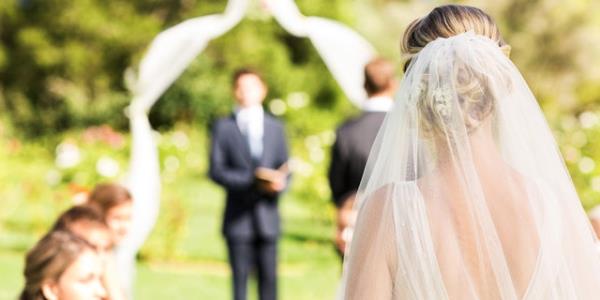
(458, 236)
(479, 208)
(465, 195)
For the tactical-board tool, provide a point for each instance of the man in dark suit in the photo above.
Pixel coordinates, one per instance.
(248, 158)
(353, 143)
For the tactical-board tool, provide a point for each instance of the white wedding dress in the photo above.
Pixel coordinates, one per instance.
(465, 195)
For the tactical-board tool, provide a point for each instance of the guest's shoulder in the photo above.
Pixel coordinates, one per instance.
(354, 122)
(223, 122)
(273, 121)
(349, 124)
(226, 119)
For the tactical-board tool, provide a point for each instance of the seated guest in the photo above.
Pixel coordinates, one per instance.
(62, 266)
(88, 223)
(115, 204)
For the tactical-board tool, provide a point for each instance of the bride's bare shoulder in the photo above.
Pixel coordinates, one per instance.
(389, 191)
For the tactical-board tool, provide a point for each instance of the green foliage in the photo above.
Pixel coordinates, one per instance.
(61, 71)
(577, 138)
(554, 44)
(62, 62)
(185, 251)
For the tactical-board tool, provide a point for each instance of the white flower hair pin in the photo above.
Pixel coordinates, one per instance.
(418, 90)
(442, 97)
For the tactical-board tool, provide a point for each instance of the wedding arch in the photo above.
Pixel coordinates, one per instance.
(168, 56)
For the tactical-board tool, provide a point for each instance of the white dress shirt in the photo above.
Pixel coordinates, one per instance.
(378, 104)
(250, 121)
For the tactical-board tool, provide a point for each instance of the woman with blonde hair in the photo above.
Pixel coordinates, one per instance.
(465, 195)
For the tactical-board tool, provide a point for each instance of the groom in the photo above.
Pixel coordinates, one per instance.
(248, 158)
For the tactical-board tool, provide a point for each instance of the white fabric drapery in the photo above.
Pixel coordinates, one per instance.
(345, 53)
(167, 57)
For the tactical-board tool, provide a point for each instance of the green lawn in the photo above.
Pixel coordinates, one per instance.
(195, 280)
(194, 266)
(190, 261)
(185, 256)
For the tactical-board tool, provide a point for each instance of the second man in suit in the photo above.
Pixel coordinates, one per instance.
(353, 143)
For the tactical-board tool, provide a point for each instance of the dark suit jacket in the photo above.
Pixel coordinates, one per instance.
(248, 213)
(350, 152)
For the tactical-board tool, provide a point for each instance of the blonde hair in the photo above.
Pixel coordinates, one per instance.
(474, 94)
(446, 21)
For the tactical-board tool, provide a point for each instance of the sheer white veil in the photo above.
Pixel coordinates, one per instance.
(465, 194)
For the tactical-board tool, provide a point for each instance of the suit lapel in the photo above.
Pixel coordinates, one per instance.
(268, 136)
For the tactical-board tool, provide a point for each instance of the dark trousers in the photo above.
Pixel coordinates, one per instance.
(259, 255)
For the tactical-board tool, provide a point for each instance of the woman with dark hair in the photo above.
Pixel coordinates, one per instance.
(115, 203)
(62, 266)
(88, 223)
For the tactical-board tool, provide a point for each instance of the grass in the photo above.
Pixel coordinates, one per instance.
(195, 264)
(185, 256)
(308, 266)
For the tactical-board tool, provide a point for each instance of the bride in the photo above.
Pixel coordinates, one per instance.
(465, 195)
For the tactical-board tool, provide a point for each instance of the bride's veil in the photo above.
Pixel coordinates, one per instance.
(465, 194)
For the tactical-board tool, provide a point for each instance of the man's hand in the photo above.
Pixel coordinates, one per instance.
(274, 187)
(270, 181)
(346, 217)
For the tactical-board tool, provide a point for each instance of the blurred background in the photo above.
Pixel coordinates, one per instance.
(63, 128)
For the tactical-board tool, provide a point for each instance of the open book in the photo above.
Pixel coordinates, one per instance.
(267, 175)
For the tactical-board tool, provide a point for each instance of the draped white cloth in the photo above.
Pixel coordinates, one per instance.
(344, 51)
(143, 183)
(169, 55)
(465, 195)
(174, 49)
